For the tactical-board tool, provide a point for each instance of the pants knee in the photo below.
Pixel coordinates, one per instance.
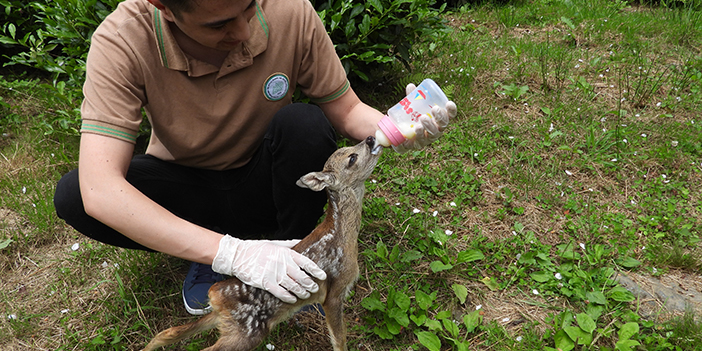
(68, 202)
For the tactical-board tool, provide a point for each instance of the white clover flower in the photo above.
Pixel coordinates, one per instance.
(75, 247)
(643, 135)
(270, 347)
(435, 213)
(64, 311)
(550, 129)
(614, 160)
(519, 338)
(582, 246)
(478, 307)
(416, 210)
(674, 143)
(658, 104)
(24, 190)
(518, 256)
(506, 319)
(568, 172)
(558, 276)
(104, 264)
(535, 292)
(475, 154)
(625, 141)
(452, 204)
(448, 232)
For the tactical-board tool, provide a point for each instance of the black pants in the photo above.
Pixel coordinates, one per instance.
(258, 200)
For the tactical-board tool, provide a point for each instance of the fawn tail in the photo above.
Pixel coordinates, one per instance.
(176, 334)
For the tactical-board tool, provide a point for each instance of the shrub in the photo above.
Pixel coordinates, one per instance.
(371, 34)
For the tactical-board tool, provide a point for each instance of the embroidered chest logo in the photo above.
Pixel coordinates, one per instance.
(276, 87)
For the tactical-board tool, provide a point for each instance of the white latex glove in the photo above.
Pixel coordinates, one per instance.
(268, 265)
(428, 130)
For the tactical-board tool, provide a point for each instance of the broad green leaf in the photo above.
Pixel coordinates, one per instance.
(472, 320)
(357, 10)
(365, 25)
(399, 316)
(563, 341)
(470, 256)
(626, 345)
(596, 297)
(424, 300)
(462, 345)
(382, 331)
(461, 292)
(402, 301)
(429, 340)
(376, 4)
(394, 254)
(350, 28)
(418, 320)
(381, 250)
(443, 315)
(433, 325)
(438, 266)
(628, 330)
(411, 255)
(450, 327)
(393, 326)
(586, 323)
(620, 294)
(541, 276)
(567, 251)
(578, 335)
(13, 31)
(372, 303)
(629, 262)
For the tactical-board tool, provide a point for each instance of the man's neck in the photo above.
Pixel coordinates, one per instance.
(196, 50)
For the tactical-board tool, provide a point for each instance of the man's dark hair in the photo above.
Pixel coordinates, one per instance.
(179, 6)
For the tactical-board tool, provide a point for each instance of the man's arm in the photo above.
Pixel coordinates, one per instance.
(351, 117)
(109, 198)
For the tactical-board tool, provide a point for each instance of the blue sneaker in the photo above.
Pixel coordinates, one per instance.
(195, 287)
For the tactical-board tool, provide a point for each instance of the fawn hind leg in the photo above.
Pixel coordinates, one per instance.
(334, 310)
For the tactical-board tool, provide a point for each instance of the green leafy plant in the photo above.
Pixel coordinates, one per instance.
(372, 34)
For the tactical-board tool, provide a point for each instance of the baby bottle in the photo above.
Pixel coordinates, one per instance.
(399, 123)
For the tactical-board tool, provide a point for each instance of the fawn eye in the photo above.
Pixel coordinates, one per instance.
(352, 159)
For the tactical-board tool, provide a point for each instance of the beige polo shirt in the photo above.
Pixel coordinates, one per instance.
(201, 115)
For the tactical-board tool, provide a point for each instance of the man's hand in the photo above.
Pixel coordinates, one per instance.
(268, 265)
(428, 130)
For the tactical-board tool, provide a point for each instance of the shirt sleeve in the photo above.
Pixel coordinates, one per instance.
(114, 89)
(322, 76)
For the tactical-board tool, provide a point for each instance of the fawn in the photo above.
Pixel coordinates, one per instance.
(244, 315)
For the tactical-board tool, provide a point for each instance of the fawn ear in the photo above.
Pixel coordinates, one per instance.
(316, 181)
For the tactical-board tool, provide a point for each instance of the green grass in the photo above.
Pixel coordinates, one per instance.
(577, 154)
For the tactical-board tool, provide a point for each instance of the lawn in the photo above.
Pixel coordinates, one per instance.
(576, 159)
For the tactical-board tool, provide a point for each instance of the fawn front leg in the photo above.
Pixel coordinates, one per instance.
(334, 310)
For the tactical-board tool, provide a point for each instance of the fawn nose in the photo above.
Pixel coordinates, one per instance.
(370, 141)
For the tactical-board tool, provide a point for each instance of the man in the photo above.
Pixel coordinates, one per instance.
(215, 78)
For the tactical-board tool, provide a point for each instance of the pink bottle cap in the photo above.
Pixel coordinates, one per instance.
(391, 131)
